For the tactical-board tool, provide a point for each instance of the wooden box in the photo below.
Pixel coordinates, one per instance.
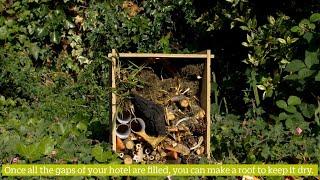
(204, 57)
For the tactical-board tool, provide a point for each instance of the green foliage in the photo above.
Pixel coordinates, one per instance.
(152, 30)
(102, 156)
(54, 91)
(50, 94)
(281, 96)
(53, 126)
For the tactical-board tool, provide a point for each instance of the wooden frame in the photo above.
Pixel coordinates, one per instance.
(206, 56)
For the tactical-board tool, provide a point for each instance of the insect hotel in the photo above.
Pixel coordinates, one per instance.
(160, 107)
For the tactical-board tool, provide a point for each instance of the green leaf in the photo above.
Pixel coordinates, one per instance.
(55, 37)
(21, 149)
(249, 38)
(281, 104)
(282, 41)
(283, 116)
(317, 78)
(308, 36)
(304, 22)
(30, 152)
(295, 29)
(214, 109)
(271, 20)
(98, 154)
(296, 120)
(312, 26)
(295, 65)
(4, 33)
(311, 58)
(245, 44)
(82, 126)
(214, 86)
(245, 28)
(46, 145)
(261, 87)
(269, 92)
(307, 110)
(34, 50)
(291, 77)
(291, 109)
(304, 73)
(265, 153)
(315, 17)
(294, 100)
(68, 24)
(298, 117)
(41, 32)
(33, 152)
(290, 123)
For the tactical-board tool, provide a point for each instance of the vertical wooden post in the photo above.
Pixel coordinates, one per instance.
(114, 99)
(208, 101)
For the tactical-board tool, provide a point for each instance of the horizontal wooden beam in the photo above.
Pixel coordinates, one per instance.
(161, 55)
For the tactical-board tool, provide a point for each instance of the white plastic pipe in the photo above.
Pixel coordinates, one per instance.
(124, 117)
(123, 131)
(137, 125)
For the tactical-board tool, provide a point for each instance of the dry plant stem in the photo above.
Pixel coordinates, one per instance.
(132, 137)
(184, 150)
(200, 141)
(200, 150)
(177, 129)
(180, 148)
(153, 141)
(182, 113)
(178, 137)
(178, 98)
(183, 100)
(188, 89)
(199, 112)
(170, 115)
(183, 119)
(173, 129)
(171, 142)
(163, 154)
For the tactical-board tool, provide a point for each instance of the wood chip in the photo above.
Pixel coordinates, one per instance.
(129, 144)
(119, 144)
(173, 154)
(127, 159)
